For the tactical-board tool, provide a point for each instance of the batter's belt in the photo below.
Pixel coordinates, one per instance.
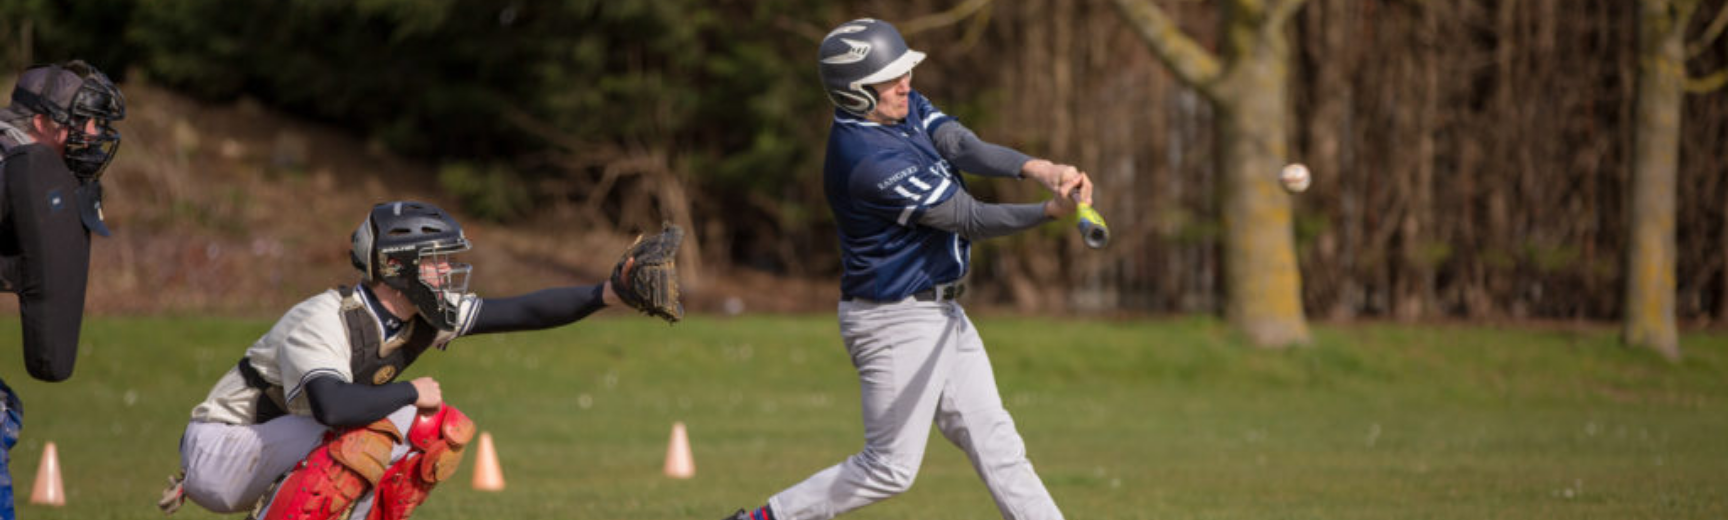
(941, 292)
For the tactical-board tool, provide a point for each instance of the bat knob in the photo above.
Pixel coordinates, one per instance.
(1092, 228)
(1096, 237)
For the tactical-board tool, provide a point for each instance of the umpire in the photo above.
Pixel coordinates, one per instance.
(906, 223)
(56, 138)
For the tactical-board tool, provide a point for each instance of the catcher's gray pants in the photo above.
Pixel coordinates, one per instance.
(920, 362)
(229, 467)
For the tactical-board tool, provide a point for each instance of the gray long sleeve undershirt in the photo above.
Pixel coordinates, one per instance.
(970, 154)
(976, 220)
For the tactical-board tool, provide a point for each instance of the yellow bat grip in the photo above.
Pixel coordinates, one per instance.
(1092, 227)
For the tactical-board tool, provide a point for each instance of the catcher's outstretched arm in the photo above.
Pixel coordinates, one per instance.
(537, 310)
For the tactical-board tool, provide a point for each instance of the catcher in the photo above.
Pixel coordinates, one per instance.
(312, 407)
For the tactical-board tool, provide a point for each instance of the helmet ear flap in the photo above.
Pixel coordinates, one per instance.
(859, 102)
(361, 253)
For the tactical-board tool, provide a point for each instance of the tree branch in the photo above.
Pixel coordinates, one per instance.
(1284, 10)
(945, 18)
(974, 31)
(1707, 84)
(578, 150)
(805, 29)
(1710, 34)
(1190, 62)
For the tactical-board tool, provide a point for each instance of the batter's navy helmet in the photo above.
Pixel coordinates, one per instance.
(861, 53)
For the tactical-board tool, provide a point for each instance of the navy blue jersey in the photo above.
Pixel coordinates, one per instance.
(879, 180)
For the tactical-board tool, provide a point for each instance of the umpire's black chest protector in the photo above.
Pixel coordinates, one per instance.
(369, 363)
(44, 251)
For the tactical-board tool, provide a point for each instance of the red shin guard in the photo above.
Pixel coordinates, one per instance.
(437, 440)
(338, 471)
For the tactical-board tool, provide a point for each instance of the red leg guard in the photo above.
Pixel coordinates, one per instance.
(338, 471)
(437, 440)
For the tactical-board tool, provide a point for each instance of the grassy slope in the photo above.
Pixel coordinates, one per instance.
(1123, 420)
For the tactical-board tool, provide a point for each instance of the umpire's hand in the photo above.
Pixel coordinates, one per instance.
(431, 397)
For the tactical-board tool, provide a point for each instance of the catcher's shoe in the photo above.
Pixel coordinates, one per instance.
(740, 515)
(175, 495)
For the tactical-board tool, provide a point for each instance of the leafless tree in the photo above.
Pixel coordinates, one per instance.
(1247, 82)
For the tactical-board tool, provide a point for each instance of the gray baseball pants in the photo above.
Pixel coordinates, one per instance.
(228, 467)
(918, 363)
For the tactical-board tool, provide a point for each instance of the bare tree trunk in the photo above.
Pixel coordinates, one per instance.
(1649, 304)
(1249, 90)
(1261, 278)
(1414, 293)
(1331, 58)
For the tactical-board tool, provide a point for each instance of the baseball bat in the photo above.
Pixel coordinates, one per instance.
(1092, 227)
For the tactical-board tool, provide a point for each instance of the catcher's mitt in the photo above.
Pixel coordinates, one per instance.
(646, 278)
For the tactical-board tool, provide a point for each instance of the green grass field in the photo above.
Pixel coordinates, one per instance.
(1159, 419)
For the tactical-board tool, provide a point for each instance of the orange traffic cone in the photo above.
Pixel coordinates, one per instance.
(678, 461)
(487, 475)
(48, 489)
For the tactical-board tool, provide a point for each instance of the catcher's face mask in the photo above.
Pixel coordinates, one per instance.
(432, 280)
(447, 279)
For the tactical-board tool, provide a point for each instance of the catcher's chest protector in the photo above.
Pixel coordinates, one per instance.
(367, 363)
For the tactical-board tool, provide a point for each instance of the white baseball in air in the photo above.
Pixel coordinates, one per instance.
(1295, 178)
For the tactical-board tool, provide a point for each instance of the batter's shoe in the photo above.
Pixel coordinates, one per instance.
(760, 514)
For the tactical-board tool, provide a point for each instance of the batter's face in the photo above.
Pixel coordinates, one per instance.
(892, 100)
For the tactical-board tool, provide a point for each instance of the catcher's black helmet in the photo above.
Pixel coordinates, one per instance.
(73, 94)
(407, 246)
(861, 53)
